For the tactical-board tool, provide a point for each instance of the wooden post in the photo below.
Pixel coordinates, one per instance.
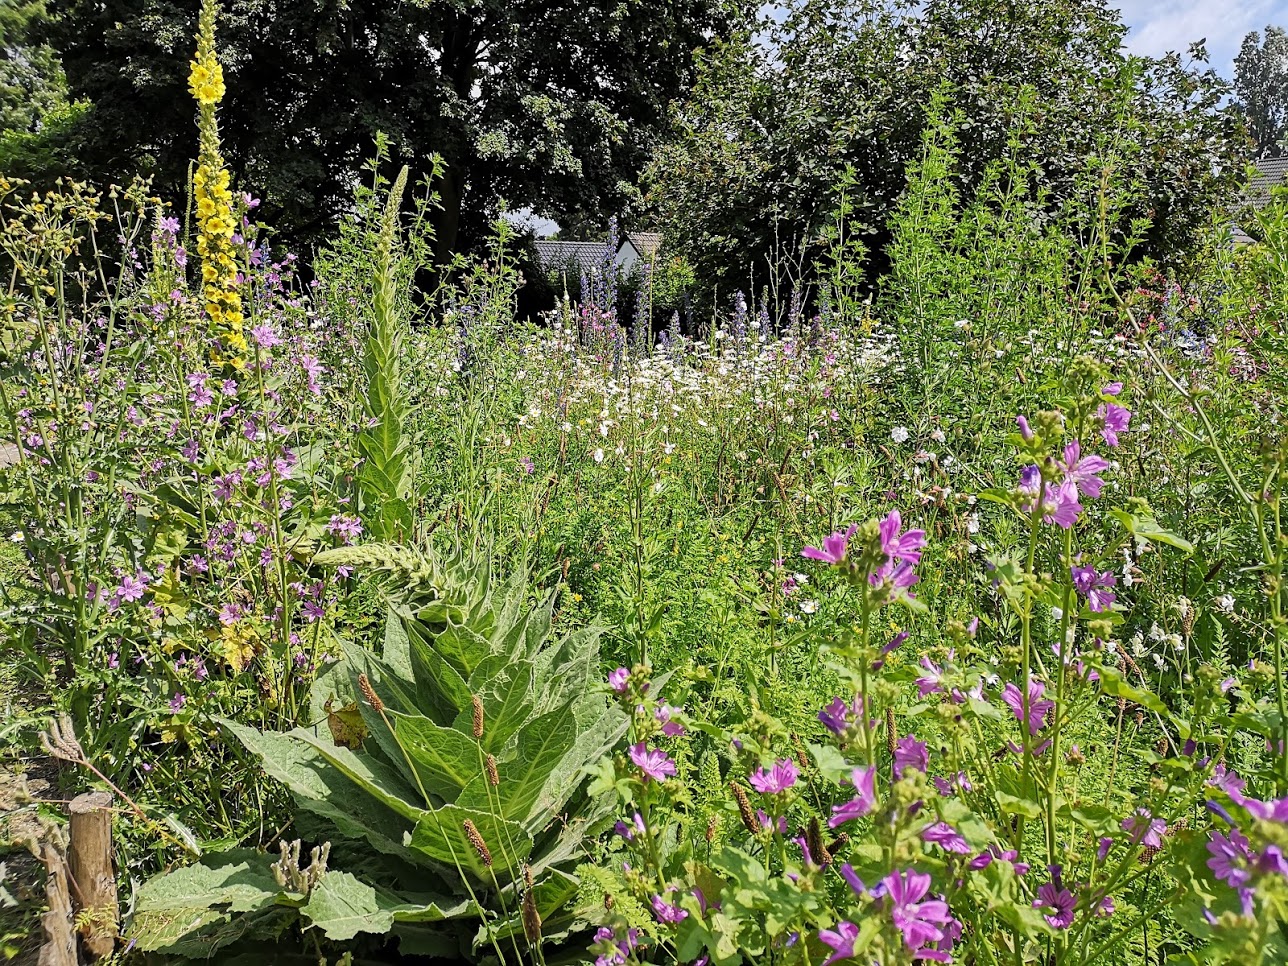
(89, 855)
(59, 948)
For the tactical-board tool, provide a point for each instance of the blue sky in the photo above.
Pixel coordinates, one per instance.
(1158, 26)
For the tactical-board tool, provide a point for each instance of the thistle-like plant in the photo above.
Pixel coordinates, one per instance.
(446, 773)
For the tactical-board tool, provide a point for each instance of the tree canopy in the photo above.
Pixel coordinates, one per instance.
(771, 125)
(550, 105)
(1261, 89)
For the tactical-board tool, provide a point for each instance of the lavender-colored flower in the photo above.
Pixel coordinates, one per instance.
(921, 923)
(668, 913)
(346, 528)
(1271, 811)
(1226, 779)
(1102, 848)
(653, 763)
(1145, 829)
(1056, 902)
(834, 547)
(1230, 858)
(1115, 419)
(864, 781)
(1038, 708)
(1093, 586)
(619, 679)
(177, 702)
(841, 940)
(265, 336)
(665, 716)
(838, 717)
(1083, 471)
(910, 753)
(778, 779)
(946, 837)
(900, 546)
(929, 682)
(1112, 389)
(1025, 431)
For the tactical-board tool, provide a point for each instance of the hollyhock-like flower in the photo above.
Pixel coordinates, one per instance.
(920, 923)
(1056, 902)
(838, 717)
(778, 779)
(1102, 848)
(1226, 779)
(946, 837)
(1145, 829)
(1272, 811)
(864, 780)
(840, 940)
(768, 824)
(1083, 471)
(901, 546)
(929, 682)
(1093, 586)
(1060, 504)
(177, 702)
(665, 716)
(265, 336)
(994, 853)
(1115, 419)
(834, 547)
(668, 913)
(910, 753)
(346, 528)
(1230, 858)
(653, 763)
(619, 679)
(1038, 708)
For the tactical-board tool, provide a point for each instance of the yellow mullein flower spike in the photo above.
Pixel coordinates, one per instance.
(216, 223)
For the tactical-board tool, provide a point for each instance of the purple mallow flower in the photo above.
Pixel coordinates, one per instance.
(1038, 708)
(653, 763)
(1094, 586)
(778, 779)
(863, 780)
(1056, 902)
(910, 753)
(1145, 829)
(1115, 419)
(668, 913)
(840, 940)
(946, 837)
(922, 923)
(1083, 471)
(619, 679)
(834, 547)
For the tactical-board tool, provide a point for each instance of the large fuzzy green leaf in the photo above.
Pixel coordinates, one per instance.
(442, 685)
(505, 688)
(568, 774)
(323, 789)
(441, 836)
(342, 906)
(446, 758)
(543, 742)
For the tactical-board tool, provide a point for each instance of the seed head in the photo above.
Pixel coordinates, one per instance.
(478, 717)
(368, 692)
(492, 776)
(744, 807)
(712, 823)
(476, 840)
(531, 917)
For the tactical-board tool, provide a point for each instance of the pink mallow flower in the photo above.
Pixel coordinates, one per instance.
(1056, 902)
(1038, 708)
(910, 753)
(900, 546)
(864, 780)
(1083, 471)
(834, 547)
(1145, 829)
(1115, 419)
(653, 763)
(947, 837)
(1095, 587)
(840, 940)
(922, 923)
(778, 779)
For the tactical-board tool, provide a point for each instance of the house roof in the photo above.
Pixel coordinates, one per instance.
(646, 242)
(557, 255)
(1270, 173)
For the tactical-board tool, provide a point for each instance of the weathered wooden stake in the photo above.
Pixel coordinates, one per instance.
(89, 855)
(59, 948)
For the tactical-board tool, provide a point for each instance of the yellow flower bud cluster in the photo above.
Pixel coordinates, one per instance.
(216, 223)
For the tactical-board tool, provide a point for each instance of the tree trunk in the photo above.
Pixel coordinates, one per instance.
(447, 219)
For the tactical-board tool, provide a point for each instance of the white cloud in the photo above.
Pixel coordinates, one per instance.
(1159, 26)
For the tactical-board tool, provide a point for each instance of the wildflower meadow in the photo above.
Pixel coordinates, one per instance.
(916, 604)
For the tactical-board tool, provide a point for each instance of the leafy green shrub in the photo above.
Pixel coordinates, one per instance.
(449, 779)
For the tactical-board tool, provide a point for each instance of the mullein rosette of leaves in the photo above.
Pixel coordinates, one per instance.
(447, 773)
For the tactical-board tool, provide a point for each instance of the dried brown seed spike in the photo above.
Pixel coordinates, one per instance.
(531, 918)
(838, 843)
(492, 775)
(744, 808)
(368, 692)
(476, 840)
(527, 877)
(802, 759)
(478, 716)
(712, 823)
(814, 839)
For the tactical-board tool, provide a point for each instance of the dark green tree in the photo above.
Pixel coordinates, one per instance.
(1261, 89)
(551, 105)
(845, 83)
